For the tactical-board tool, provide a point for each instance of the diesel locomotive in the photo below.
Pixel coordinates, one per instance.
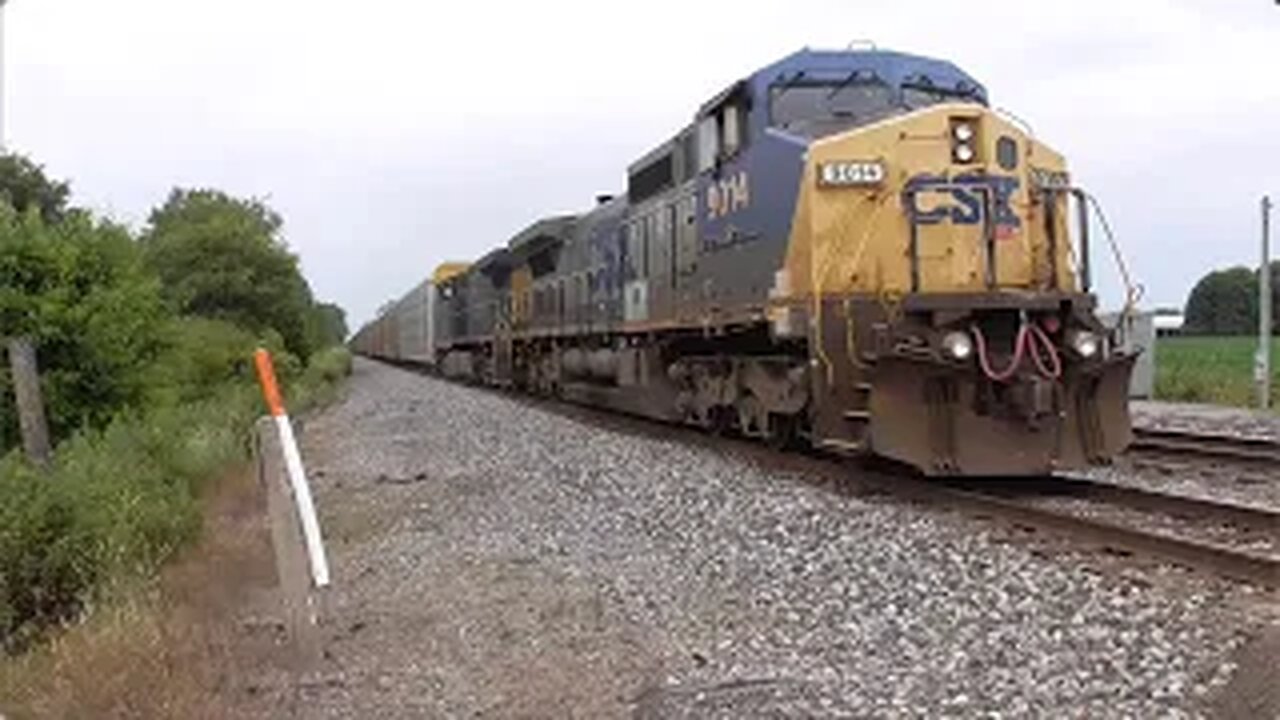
(846, 248)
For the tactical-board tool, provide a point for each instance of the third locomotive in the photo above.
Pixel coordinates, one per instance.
(849, 249)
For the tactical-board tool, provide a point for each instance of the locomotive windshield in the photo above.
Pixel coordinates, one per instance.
(818, 109)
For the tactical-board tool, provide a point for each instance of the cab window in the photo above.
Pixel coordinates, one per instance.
(708, 143)
(721, 135)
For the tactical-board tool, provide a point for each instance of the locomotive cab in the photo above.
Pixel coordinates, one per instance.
(948, 312)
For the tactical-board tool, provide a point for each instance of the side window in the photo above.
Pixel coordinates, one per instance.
(708, 143)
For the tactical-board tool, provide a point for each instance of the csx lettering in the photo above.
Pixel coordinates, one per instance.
(966, 194)
(728, 195)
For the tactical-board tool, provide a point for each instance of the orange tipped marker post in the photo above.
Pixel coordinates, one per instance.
(293, 465)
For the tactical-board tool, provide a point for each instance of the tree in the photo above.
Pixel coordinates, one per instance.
(1224, 302)
(221, 257)
(80, 291)
(330, 323)
(23, 185)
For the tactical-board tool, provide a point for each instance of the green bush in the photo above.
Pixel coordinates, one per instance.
(318, 383)
(80, 291)
(145, 348)
(119, 501)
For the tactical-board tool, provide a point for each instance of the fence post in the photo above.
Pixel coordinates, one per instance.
(27, 397)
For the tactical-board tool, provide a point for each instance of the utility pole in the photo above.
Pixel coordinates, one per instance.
(1262, 365)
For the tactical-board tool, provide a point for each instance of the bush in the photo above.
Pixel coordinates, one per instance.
(115, 504)
(121, 500)
(79, 290)
(325, 370)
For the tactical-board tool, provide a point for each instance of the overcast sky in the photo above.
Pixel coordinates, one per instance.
(396, 134)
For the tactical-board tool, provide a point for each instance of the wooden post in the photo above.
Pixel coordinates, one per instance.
(26, 392)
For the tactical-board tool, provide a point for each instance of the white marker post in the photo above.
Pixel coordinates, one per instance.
(293, 466)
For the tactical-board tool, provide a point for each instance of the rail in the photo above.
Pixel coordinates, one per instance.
(1183, 442)
(1208, 535)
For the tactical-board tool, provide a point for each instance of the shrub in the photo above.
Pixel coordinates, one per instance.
(80, 291)
(119, 501)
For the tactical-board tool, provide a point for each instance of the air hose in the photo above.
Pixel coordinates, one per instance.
(984, 360)
(1031, 339)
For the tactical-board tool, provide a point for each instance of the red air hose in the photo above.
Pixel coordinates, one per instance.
(1029, 334)
(1019, 345)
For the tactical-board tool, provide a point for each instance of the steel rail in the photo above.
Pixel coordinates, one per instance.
(1184, 442)
(1201, 555)
(1183, 506)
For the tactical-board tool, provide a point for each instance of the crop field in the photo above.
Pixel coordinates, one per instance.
(1211, 369)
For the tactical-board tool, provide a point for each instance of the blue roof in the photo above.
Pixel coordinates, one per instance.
(893, 68)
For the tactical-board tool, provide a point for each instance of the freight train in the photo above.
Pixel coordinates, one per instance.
(849, 249)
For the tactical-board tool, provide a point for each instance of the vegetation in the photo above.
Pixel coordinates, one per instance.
(24, 186)
(1215, 370)
(1225, 302)
(145, 348)
(221, 257)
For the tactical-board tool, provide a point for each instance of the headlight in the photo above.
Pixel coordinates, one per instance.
(849, 173)
(958, 345)
(962, 132)
(1084, 343)
(964, 152)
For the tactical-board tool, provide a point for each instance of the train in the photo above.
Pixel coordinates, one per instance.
(846, 249)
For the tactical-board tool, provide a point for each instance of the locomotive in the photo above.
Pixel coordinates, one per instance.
(849, 249)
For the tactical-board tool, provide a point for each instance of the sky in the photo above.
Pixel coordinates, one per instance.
(393, 135)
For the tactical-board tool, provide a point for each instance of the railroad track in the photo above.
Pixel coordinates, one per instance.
(1235, 541)
(1225, 447)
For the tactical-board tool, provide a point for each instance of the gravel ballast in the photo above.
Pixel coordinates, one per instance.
(499, 557)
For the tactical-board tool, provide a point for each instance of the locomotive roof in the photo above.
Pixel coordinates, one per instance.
(894, 68)
(551, 228)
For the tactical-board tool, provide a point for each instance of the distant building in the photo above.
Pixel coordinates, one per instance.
(1169, 324)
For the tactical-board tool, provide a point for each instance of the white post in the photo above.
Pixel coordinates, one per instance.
(1262, 365)
(293, 468)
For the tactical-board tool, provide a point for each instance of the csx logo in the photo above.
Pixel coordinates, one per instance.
(728, 195)
(962, 199)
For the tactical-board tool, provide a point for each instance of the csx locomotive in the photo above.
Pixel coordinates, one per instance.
(848, 249)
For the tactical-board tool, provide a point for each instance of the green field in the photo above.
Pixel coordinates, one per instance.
(1211, 370)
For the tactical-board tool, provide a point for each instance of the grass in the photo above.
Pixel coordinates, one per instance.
(1217, 370)
(173, 646)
